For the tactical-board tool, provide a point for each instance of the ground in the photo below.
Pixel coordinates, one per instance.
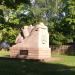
(65, 66)
(4, 53)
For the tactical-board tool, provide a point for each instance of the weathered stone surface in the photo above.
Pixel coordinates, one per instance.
(35, 43)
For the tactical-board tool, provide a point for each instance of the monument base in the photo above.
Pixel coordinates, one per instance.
(31, 53)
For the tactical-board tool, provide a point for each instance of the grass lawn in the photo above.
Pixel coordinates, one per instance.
(66, 60)
(66, 66)
(4, 53)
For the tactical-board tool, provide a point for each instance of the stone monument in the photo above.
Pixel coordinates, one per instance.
(34, 44)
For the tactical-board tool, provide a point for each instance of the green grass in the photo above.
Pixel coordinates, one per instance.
(66, 66)
(65, 60)
(4, 53)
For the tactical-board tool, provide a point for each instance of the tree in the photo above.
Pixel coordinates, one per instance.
(58, 15)
(68, 23)
(12, 16)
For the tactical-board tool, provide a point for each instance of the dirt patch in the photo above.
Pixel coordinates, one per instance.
(53, 59)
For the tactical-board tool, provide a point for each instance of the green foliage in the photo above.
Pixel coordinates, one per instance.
(9, 34)
(1, 35)
(67, 25)
(57, 38)
(14, 14)
(12, 18)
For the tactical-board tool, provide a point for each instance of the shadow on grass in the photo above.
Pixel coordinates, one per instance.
(32, 67)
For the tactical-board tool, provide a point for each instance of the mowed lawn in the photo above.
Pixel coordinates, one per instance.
(65, 66)
(65, 60)
(4, 53)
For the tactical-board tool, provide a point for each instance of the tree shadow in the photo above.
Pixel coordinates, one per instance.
(32, 67)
